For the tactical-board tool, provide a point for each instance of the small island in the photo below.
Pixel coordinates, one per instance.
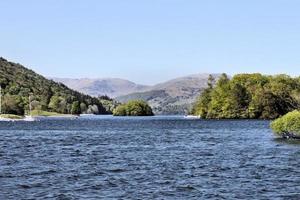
(133, 108)
(287, 126)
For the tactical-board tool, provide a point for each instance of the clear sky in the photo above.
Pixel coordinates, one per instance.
(149, 41)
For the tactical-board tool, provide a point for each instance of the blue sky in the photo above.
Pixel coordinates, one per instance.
(149, 41)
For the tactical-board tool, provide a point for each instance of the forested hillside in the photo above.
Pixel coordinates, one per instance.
(253, 96)
(18, 83)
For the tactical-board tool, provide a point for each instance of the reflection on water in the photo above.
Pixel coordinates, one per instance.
(146, 158)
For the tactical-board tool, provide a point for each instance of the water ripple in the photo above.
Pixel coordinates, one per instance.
(146, 158)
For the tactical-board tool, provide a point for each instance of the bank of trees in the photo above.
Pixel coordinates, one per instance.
(133, 108)
(253, 96)
(108, 103)
(18, 83)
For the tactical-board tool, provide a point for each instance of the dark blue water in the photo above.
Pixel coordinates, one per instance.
(146, 158)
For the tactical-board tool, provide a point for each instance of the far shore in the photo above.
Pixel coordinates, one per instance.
(35, 114)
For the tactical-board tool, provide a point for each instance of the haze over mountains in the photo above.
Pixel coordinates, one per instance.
(175, 96)
(112, 87)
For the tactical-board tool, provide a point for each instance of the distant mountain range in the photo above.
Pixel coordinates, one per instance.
(112, 87)
(172, 97)
(175, 96)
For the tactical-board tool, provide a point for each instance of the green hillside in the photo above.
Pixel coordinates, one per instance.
(18, 83)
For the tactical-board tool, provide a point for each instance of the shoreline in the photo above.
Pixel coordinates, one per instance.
(11, 118)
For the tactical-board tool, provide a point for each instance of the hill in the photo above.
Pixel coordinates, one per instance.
(111, 87)
(18, 83)
(172, 97)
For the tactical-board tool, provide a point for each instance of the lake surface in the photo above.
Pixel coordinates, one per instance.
(146, 158)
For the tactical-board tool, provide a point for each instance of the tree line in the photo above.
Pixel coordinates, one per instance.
(248, 96)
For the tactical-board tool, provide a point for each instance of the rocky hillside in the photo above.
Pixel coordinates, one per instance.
(18, 83)
(111, 87)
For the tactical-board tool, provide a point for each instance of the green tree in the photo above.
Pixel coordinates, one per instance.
(54, 103)
(211, 81)
(83, 107)
(120, 111)
(12, 104)
(75, 107)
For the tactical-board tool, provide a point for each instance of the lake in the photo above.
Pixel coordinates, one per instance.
(146, 158)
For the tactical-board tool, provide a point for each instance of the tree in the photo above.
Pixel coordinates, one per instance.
(93, 109)
(75, 107)
(12, 104)
(54, 103)
(211, 81)
(83, 107)
(201, 106)
(120, 111)
(236, 103)
(218, 97)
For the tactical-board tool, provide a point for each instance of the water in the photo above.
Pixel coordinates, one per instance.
(146, 158)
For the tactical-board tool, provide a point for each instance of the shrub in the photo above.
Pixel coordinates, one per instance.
(289, 123)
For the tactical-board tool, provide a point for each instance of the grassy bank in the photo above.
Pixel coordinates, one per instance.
(47, 114)
(11, 116)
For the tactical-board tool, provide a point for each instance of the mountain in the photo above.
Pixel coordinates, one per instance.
(111, 87)
(172, 97)
(175, 96)
(18, 83)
